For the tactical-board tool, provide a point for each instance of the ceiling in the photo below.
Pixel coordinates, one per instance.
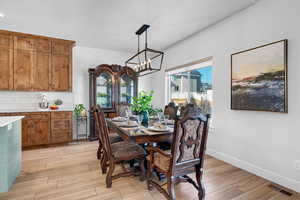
(111, 24)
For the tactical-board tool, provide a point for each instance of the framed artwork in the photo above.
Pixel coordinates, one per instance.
(259, 78)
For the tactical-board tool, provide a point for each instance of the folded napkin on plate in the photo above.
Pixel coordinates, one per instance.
(128, 123)
(170, 121)
(159, 125)
(119, 119)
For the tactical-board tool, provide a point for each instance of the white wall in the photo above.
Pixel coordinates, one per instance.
(262, 142)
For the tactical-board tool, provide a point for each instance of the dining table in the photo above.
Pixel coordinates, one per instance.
(140, 134)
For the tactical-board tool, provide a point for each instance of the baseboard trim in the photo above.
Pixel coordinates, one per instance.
(269, 175)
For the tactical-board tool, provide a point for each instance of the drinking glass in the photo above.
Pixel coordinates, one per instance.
(166, 118)
(126, 114)
(139, 120)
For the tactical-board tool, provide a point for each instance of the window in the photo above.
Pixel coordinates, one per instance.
(191, 83)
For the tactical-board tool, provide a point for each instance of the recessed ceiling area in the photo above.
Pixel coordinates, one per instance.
(111, 24)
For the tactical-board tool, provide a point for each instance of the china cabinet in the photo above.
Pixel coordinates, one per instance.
(110, 86)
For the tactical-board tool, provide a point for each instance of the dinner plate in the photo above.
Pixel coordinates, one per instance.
(128, 125)
(119, 119)
(156, 129)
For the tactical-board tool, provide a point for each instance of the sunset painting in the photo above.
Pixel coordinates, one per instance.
(259, 78)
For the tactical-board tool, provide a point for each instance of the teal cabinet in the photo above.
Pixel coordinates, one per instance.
(10, 151)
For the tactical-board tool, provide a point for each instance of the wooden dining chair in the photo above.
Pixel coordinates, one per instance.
(120, 152)
(186, 157)
(114, 137)
(171, 110)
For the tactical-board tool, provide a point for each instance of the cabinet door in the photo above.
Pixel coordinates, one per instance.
(41, 71)
(61, 127)
(35, 129)
(24, 62)
(6, 69)
(104, 90)
(27, 127)
(61, 75)
(39, 134)
(127, 89)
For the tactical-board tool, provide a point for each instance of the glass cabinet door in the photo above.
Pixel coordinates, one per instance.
(127, 88)
(104, 90)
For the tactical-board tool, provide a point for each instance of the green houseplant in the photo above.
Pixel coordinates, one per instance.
(79, 110)
(141, 105)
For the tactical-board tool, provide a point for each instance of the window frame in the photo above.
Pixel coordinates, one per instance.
(184, 68)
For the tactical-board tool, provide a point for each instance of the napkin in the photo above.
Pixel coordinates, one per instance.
(159, 126)
(128, 123)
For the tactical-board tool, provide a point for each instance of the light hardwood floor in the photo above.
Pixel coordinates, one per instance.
(72, 172)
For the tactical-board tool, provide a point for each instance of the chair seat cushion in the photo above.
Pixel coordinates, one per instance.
(127, 151)
(160, 161)
(114, 137)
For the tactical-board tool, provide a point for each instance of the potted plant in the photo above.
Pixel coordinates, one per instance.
(141, 105)
(80, 110)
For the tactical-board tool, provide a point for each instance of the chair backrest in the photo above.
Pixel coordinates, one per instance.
(171, 110)
(103, 129)
(190, 138)
(189, 107)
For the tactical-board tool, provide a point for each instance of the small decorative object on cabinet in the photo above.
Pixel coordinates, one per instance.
(44, 103)
(259, 78)
(110, 86)
(56, 104)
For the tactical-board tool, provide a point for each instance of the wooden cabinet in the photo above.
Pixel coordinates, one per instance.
(43, 128)
(61, 70)
(6, 40)
(35, 63)
(61, 127)
(6, 69)
(6, 62)
(61, 48)
(35, 129)
(61, 73)
(43, 45)
(110, 86)
(24, 62)
(41, 72)
(22, 42)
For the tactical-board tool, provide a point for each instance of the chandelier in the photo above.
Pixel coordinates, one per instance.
(146, 61)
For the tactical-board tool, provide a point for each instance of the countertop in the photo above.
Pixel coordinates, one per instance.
(34, 110)
(4, 121)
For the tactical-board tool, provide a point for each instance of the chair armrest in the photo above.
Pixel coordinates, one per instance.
(158, 150)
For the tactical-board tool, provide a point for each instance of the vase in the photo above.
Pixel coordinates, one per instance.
(145, 118)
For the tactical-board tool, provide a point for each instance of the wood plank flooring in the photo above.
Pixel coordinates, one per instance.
(72, 173)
